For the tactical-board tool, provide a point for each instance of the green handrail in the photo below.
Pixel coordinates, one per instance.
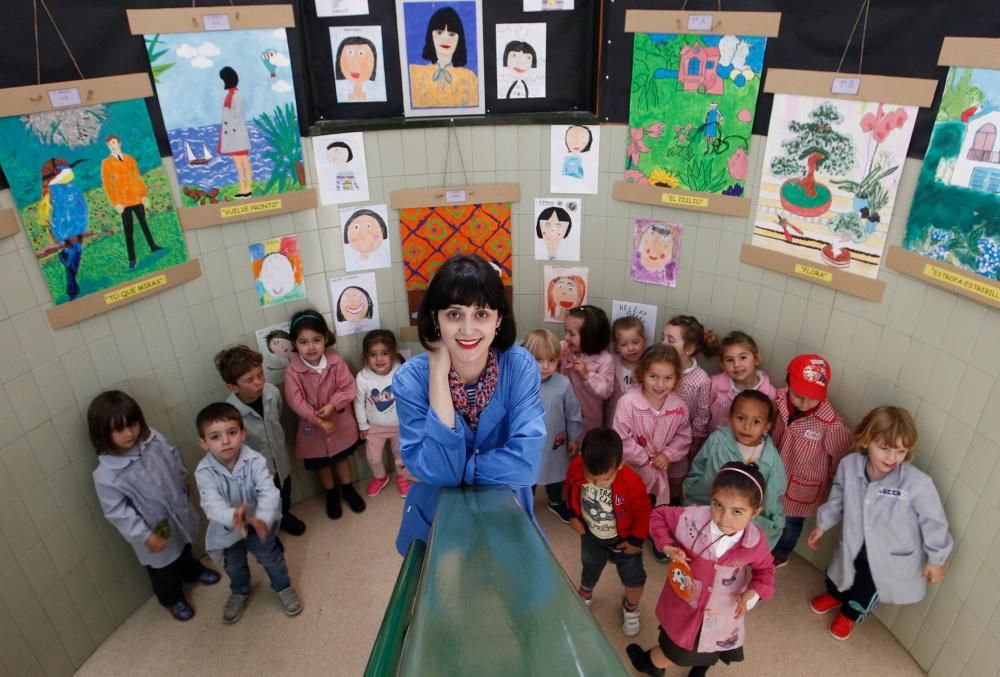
(388, 648)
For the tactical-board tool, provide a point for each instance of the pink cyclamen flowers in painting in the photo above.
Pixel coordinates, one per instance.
(636, 144)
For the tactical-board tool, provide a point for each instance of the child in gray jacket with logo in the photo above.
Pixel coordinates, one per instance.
(895, 536)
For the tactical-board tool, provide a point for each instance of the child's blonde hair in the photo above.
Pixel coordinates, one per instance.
(655, 354)
(542, 344)
(888, 425)
(626, 323)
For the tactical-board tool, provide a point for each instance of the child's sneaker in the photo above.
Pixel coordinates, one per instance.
(290, 602)
(182, 611)
(586, 595)
(376, 486)
(824, 603)
(235, 607)
(404, 486)
(630, 621)
(561, 510)
(780, 561)
(841, 627)
(208, 576)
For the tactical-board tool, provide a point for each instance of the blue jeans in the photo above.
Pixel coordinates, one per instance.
(790, 536)
(268, 554)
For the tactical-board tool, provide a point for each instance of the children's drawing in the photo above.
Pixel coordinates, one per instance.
(431, 235)
(274, 343)
(355, 303)
(563, 288)
(366, 237)
(645, 312)
(546, 5)
(82, 179)
(277, 270)
(341, 170)
(341, 7)
(955, 215)
(691, 111)
(574, 158)
(656, 252)
(558, 223)
(229, 108)
(441, 56)
(520, 61)
(357, 63)
(831, 167)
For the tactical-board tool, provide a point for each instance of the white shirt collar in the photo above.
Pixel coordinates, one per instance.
(723, 543)
(319, 368)
(694, 365)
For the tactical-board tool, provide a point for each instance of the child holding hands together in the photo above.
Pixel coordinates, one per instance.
(892, 519)
(243, 507)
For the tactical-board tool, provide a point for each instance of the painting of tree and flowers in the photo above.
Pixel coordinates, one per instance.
(691, 110)
(831, 168)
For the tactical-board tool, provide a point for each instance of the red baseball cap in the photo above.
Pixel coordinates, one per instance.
(809, 376)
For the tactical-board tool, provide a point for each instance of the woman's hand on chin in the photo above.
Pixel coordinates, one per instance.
(438, 359)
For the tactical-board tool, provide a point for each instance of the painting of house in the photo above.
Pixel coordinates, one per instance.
(698, 69)
(978, 163)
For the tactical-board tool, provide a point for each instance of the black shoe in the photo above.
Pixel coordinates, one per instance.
(353, 498)
(561, 511)
(642, 662)
(699, 671)
(292, 525)
(155, 248)
(333, 509)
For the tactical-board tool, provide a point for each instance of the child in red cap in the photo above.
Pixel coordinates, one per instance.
(811, 440)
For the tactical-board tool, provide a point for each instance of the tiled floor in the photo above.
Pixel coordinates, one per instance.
(344, 571)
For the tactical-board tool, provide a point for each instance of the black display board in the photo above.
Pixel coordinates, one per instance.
(571, 55)
(903, 39)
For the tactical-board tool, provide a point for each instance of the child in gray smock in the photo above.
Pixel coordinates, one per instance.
(895, 537)
(563, 420)
(142, 486)
(243, 507)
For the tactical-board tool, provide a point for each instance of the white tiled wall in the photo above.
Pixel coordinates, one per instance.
(67, 579)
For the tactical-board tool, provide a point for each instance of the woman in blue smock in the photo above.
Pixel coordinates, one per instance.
(469, 408)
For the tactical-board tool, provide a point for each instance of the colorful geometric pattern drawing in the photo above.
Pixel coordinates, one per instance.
(431, 235)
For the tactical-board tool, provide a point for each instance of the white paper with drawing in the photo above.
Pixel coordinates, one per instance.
(358, 63)
(340, 168)
(574, 153)
(355, 303)
(557, 228)
(520, 61)
(645, 312)
(365, 234)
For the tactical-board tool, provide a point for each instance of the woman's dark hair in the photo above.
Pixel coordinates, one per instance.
(737, 477)
(595, 334)
(355, 40)
(601, 451)
(590, 137)
(340, 315)
(341, 144)
(310, 319)
(110, 411)
(445, 18)
(384, 336)
(756, 396)
(520, 46)
(367, 212)
(466, 280)
(560, 213)
(229, 77)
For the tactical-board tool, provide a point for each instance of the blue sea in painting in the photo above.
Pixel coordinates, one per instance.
(220, 171)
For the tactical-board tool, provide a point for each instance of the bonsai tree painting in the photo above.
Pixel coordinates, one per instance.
(815, 145)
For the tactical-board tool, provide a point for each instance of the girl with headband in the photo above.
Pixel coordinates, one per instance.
(721, 568)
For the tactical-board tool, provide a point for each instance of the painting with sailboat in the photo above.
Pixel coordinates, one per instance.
(228, 103)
